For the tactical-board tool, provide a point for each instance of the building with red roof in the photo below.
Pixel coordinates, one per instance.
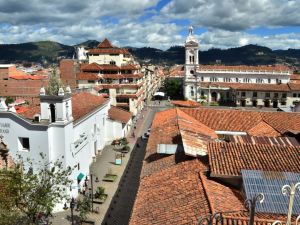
(17, 83)
(71, 127)
(257, 86)
(111, 70)
(197, 168)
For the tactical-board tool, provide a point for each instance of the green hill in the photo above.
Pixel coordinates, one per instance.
(249, 55)
(34, 52)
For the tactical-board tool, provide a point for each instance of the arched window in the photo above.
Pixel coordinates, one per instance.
(192, 72)
(52, 112)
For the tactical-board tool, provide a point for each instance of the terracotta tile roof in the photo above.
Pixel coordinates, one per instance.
(244, 121)
(122, 76)
(227, 159)
(30, 112)
(276, 68)
(176, 71)
(187, 103)
(91, 67)
(105, 44)
(221, 197)
(87, 76)
(108, 51)
(284, 141)
(263, 129)
(171, 196)
(119, 114)
(294, 86)
(105, 47)
(172, 187)
(84, 103)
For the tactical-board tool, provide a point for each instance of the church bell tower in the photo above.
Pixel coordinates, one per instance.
(191, 63)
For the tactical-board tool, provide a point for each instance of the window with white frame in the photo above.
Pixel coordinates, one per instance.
(259, 80)
(227, 79)
(246, 80)
(214, 79)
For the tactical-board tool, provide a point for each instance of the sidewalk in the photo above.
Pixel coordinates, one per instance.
(104, 163)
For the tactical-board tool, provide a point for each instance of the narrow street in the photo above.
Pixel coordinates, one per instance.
(122, 203)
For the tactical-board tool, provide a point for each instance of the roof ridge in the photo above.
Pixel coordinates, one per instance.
(204, 185)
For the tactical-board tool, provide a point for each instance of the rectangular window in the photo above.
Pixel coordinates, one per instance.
(298, 95)
(275, 95)
(267, 94)
(283, 103)
(236, 80)
(284, 95)
(294, 95)
(91, 81)
(24, 144)
(269, 80)
(202, 78)
(243, 94)
(254, 94)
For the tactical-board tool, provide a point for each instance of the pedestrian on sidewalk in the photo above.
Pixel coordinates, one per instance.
(133, 135)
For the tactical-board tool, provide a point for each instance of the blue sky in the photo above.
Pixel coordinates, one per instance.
(153, 23)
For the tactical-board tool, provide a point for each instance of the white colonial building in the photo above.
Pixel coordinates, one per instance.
(70, 127)
(242, 85)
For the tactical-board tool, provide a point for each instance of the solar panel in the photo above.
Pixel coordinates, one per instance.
(270, 184)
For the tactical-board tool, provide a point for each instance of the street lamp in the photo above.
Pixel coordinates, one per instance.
(92, 187)
(72, 206)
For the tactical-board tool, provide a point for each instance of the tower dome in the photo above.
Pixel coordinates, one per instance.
(191, 39)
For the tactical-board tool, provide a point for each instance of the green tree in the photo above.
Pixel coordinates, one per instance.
(84, 207)
(173, 88)
(32, 194)
(54, 84)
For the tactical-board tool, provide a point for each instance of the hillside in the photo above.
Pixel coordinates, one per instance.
(249, 55)
(42, 51)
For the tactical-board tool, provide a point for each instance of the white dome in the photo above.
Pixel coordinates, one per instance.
(191, 37)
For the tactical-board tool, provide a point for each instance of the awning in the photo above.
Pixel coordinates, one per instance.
(159, 94)
(80, 177)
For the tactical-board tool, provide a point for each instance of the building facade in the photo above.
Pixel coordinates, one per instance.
(70, 127)
(113, 71)
(265, 86)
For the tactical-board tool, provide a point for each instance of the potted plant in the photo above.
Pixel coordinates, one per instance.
(110, 177)
(100, 194)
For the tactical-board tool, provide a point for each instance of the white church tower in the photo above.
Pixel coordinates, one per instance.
(191, 63)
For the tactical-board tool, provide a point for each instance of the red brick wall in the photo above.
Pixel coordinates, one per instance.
(68, 70)
(3, 73)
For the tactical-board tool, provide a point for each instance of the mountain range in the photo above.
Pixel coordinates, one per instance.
(51, 52)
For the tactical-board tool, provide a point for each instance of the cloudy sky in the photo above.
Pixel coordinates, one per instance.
(153, 23)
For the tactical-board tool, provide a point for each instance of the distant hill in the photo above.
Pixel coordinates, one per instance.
(249, 55)
(41, 51)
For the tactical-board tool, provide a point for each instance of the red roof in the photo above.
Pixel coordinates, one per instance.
(87, 76)
(228, 159)
(84, 103)
(188, 103)
(105, 44)
(119, 114)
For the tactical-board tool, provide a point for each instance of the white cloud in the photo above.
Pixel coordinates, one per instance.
(235, 15)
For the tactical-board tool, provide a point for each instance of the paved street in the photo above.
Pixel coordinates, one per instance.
(121, 193)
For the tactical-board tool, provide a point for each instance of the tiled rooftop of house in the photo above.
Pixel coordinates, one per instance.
(246, 121)
(187, 103)
(82, 104)
(119, 114)
(227, 159)
(173, 186)
(105, 47)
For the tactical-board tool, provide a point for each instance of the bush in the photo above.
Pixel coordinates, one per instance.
(99, 191)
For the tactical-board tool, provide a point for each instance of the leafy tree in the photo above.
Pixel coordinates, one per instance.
(173, 88)
(84, 207)
(33, 194)
(54, 84)
(9, 100)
